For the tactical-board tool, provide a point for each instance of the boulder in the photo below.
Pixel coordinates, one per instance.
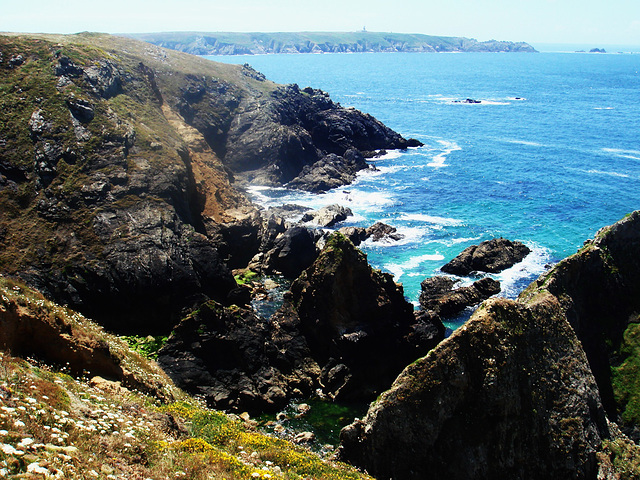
(327, 216)
(356, 235)
(491, 256)
(379, 232)
(439, 296)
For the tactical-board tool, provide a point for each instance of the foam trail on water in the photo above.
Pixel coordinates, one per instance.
(399, 269)
(422, 217)
(622, 153)
(448, 147)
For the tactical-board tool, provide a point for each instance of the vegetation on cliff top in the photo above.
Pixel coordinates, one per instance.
(54, 425)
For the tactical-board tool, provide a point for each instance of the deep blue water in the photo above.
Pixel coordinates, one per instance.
(551, 154)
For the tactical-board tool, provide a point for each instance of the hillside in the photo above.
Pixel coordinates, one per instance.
(58, 426)
(120, 166)
(230, 43)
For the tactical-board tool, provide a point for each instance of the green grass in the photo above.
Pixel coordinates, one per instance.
(626, 376)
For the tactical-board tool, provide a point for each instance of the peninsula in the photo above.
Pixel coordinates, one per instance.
(236, 43)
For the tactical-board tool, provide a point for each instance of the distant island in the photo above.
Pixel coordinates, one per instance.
(230, 43)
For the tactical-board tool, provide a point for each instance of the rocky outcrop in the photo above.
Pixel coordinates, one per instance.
(487, 404)
(523, 389)
(439, 296)
(491, 256)
(599, 292)
(227, 43)
(327, 216)
(301, 138)
(356, 321)
(344, 330)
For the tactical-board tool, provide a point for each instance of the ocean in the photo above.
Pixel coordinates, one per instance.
(550, 154)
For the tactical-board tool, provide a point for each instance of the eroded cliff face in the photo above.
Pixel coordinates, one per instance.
(525, 389)
(118, 162)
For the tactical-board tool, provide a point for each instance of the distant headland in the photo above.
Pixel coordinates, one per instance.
(234, 43)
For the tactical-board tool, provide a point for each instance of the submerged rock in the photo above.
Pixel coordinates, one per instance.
(490, 256)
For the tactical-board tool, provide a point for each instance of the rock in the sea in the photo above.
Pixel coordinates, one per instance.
(327, 216)
(491, 256)
(509, 395)
(439, 296)
(379, 232)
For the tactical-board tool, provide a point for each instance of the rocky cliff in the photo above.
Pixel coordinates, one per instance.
(228, 43)
(345, 330)
(525, 389)
(119, 167)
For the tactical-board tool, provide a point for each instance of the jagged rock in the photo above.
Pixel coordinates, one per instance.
(599, 291)
(344, 328)
(81, 109)
(238, 361)
(522, 389)
(354, 316)
(327, 216)
(379, 232)
(491, 256)
(439, 296)
(293, 251)
(486, 403)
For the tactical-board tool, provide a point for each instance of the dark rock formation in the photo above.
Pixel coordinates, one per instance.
(491, 256)
(522, 389)
(344, 328)
(439, 296)
(355, 319)
(238, 361)
(599, 291)
(382, 232)
(509, 395)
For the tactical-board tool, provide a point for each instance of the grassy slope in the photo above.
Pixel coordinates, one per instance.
(74, 428)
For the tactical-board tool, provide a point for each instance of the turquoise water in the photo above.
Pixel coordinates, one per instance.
(550, 155)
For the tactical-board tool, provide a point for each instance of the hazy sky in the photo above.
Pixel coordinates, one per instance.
(550, 21)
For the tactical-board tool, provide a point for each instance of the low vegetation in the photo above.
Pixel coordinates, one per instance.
(57, 426)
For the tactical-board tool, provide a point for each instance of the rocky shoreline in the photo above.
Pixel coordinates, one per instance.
(121, 176)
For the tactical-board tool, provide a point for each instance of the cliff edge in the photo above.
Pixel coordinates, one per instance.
(525, 389)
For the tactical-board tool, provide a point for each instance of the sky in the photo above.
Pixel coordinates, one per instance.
(591, 22)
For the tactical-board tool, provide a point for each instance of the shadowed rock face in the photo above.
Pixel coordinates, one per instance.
(344, 329)
(509, 395)
(524, 388)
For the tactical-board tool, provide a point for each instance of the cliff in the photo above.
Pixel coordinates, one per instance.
(228, 43)
(526, 388)
(120, 164)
